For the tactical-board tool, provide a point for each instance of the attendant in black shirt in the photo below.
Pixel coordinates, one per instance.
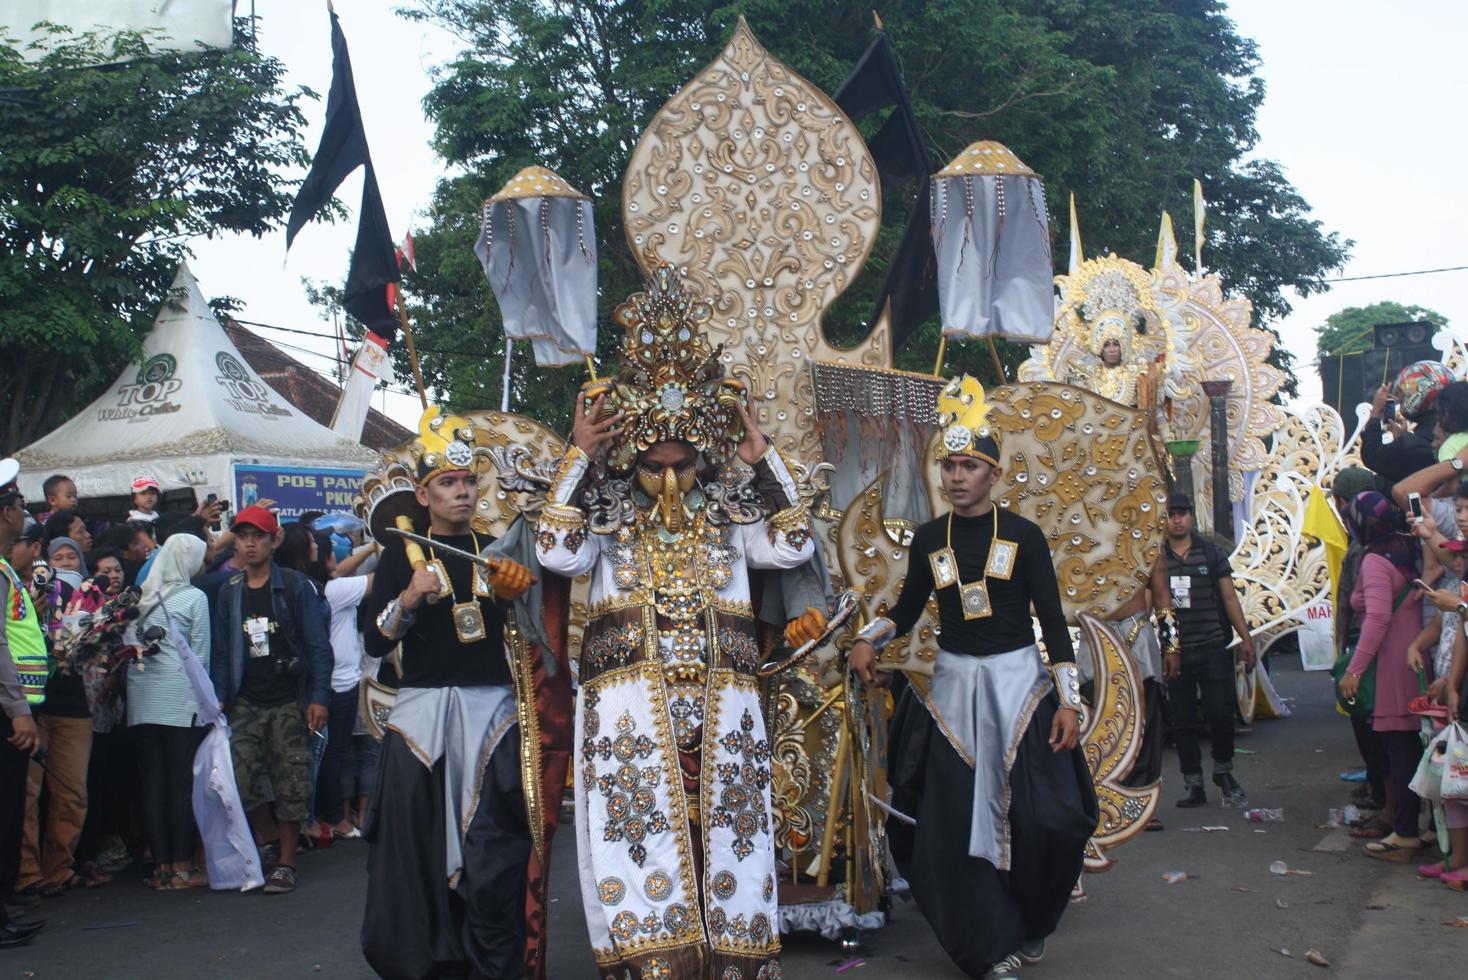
(987, 760)
(446, 903)
(1194, 581)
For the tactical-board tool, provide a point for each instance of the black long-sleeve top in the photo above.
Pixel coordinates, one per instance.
(432, 653)
(1009, 628)
(1396, 460)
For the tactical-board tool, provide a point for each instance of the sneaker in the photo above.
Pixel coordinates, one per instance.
(1005, 969)
(1233, 793)
(1193, 797)
(281, 880)
(269, 855)
(1032, 950)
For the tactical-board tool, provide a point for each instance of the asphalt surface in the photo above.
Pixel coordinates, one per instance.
(1231, 918)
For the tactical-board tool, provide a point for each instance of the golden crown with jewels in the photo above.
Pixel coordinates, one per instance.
(671, 386)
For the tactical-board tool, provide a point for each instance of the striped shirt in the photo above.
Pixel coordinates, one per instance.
(158, 690)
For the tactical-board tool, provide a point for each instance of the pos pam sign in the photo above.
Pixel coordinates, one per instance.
(297, 489)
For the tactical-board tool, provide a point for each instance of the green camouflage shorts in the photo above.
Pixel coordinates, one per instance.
(271, 749)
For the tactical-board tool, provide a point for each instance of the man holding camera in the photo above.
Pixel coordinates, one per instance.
(271, 669)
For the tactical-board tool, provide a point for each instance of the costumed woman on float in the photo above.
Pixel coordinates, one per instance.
(987, 759)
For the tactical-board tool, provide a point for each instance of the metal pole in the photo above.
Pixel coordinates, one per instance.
(1223, 511)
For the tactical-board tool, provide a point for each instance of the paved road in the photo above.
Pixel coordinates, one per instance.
(1369, 919)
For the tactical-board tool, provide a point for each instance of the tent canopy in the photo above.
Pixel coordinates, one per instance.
(187, 414)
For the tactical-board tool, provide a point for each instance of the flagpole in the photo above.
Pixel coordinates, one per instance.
(412, 349)
(998, 364)
(505, 384)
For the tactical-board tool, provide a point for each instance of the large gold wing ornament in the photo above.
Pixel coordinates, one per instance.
(762, 192)
(1111, 740)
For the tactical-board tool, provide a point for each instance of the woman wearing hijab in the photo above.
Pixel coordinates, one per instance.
(1389, 611)
(65, 557)
(161, 710)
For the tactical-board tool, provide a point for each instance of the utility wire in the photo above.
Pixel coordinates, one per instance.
(1398, 275)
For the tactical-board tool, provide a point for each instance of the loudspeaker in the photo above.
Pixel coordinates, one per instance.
(1412, 334)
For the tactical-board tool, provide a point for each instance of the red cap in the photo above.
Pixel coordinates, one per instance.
(257, 517)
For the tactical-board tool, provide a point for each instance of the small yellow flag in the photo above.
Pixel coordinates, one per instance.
(1322, 524)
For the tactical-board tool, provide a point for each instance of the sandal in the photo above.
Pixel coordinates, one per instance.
(1373, 829)
(160, 880)
(187, 879)
(1384, 850)
(94, 875)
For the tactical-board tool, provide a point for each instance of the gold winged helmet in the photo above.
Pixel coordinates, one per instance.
(963, 414)
(671, 386)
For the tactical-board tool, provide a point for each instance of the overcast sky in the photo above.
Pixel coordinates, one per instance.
(1363, 110)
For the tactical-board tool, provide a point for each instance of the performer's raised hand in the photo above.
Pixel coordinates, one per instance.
(510, 579)
(1065, 730)
(754, 445)
(590, 430)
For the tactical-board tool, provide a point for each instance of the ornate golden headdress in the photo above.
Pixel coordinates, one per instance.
(1112, 325)
(963, 415)
(446, 444)
(671, 386)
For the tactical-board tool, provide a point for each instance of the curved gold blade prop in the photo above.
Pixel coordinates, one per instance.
(1111, 738)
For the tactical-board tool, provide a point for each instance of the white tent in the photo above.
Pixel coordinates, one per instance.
(188, 415)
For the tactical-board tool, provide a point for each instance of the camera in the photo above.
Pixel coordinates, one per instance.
(287, 666)
(41, 574)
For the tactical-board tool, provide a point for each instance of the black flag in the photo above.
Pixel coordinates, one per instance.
(900, 152)
(343, 149)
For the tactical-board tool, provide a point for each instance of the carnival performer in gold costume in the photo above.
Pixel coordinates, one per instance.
(1114, 371)
(986, 759)
(673, 817)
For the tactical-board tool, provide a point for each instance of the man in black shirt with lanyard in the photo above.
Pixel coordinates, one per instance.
(270, 661)
(987, 759)
(448, 832)
(1193, 583)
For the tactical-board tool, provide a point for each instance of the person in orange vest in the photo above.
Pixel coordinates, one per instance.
(23, 669)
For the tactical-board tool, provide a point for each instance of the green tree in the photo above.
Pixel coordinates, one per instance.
(1349, 331)
(1123, 101)
(107, 172)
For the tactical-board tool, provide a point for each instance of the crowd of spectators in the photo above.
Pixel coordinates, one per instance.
(98, 748)
(1401, 659)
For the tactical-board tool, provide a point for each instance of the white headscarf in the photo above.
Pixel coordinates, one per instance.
(178, 561)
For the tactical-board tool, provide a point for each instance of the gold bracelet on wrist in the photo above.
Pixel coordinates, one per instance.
(561, 517)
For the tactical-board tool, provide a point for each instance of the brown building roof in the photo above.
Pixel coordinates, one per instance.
(308, 391)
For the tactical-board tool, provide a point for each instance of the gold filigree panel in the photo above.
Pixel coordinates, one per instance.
(762, 192)
(876, 566)
(497, 507)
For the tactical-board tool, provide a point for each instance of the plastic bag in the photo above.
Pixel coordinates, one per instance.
(1428, 780)
(1455, 764)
